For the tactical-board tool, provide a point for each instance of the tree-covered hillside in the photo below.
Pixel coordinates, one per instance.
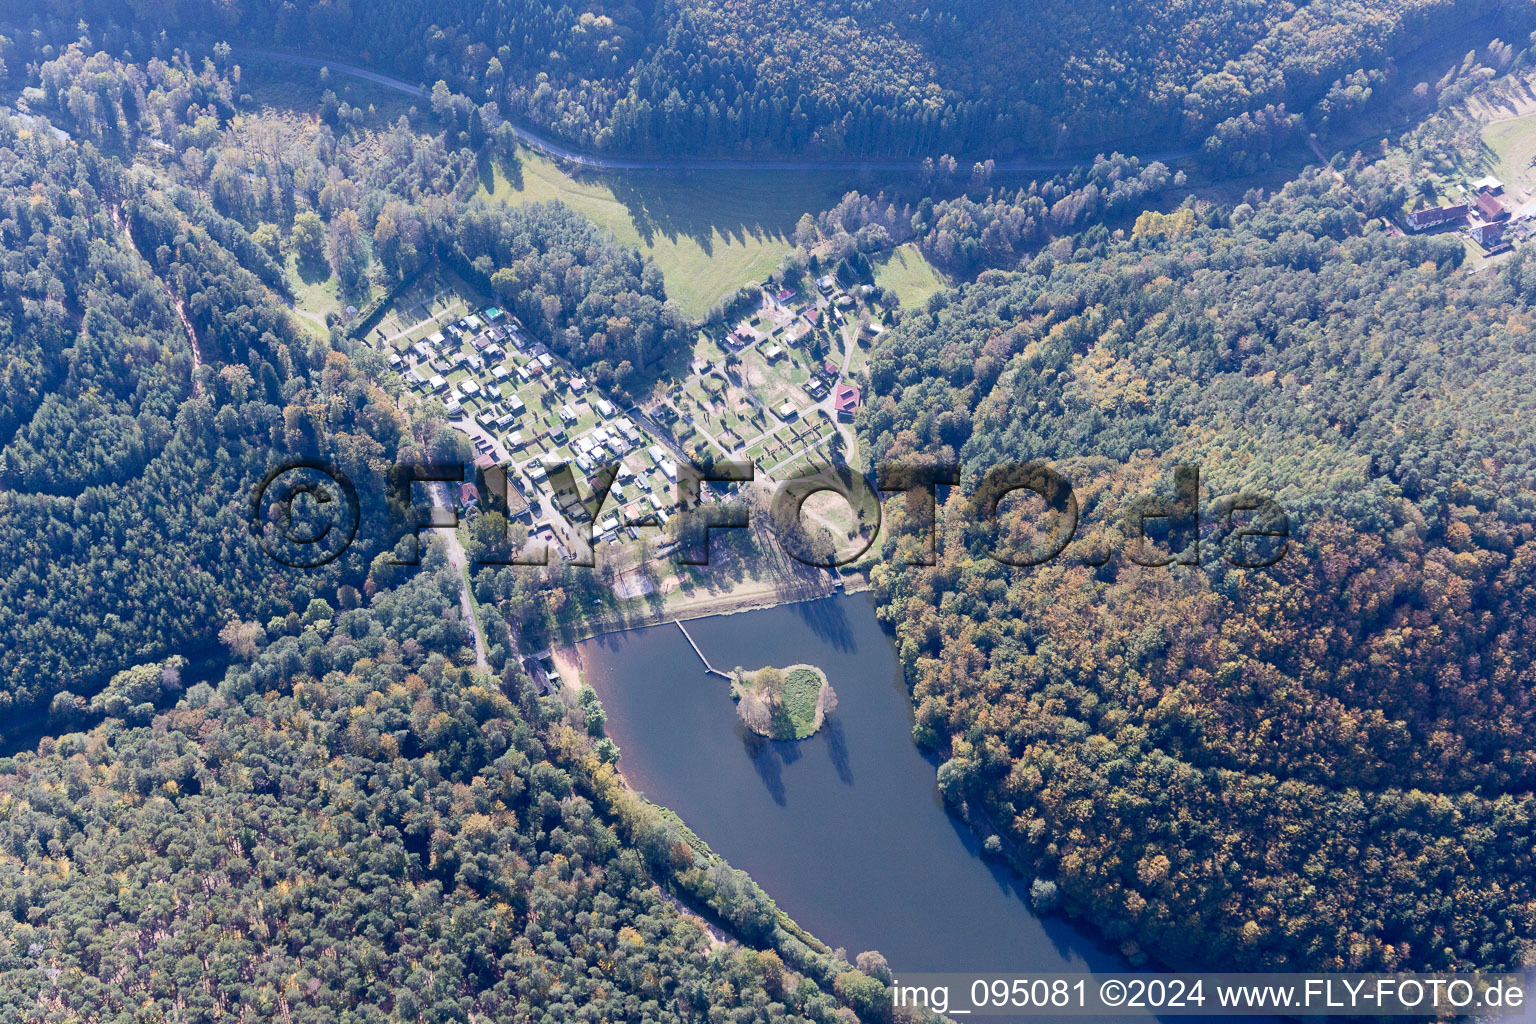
(1327, 763)
(893, 77)
(348, 827)
(127, 471)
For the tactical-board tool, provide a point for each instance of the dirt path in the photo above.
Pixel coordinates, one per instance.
(181, 312)
(572, 671)
(459, 560)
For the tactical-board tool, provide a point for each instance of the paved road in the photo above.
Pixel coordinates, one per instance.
(549, 147)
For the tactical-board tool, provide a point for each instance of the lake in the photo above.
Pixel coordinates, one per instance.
(846, 830)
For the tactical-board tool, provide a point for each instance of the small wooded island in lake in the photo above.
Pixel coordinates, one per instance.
(783, 704)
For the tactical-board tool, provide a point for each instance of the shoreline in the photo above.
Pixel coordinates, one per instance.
(748, 598)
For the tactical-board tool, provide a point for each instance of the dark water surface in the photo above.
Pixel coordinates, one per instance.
(846, 831)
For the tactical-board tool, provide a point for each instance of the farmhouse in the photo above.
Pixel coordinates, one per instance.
(787, 411)
(1491, 206)
(825, 283)
(1489, 236)
(1433, 216)
(845, 400)
(773, 353)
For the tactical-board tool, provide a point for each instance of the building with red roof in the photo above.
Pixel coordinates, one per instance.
(1432, 216)
(846, 400)
(1491, 206)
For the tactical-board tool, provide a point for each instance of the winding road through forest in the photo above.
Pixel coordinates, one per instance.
(549, 147)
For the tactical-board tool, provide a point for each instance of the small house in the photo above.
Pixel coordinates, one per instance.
(845, 401)
(1491, 206)
(1489, 236)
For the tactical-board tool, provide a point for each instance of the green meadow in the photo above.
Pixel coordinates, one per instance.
(710, 232)
(907, 273)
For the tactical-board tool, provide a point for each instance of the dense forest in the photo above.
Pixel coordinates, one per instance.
(102, 262)
(132, 453)
(372, 203)
(350, 826)
(892, 78)
(1326, 763)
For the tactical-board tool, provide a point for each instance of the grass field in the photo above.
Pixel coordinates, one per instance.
(317, 293)
(1513, 144)
(909, 275)
(709, 231)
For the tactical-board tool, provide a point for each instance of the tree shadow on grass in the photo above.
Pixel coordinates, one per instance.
(312, 271)
(511, 168)
(737, 206)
